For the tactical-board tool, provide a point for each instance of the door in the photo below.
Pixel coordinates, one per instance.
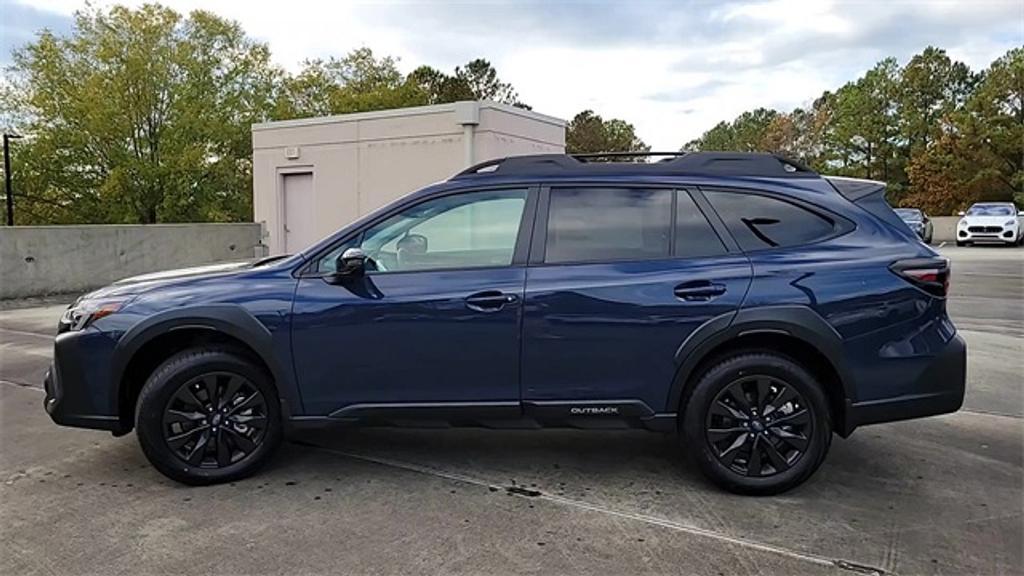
(618, 278)
(299, 222)
(434, 323)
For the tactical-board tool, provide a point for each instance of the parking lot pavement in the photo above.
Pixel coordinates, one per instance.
(939, 495)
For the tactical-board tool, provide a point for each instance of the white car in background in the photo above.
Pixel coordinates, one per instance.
(997, 222)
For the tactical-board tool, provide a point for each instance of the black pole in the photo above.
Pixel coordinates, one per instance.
(7, 180)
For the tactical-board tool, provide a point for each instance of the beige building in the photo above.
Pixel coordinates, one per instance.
(312, 176)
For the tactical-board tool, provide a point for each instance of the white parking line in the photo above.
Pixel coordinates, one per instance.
(645, 518)
(26, 333)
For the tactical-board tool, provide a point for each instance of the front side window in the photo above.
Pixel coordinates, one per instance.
(472, 230)
(607, 224)
(759, 222)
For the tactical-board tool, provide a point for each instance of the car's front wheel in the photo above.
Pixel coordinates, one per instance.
(208, 415)
(757, 423)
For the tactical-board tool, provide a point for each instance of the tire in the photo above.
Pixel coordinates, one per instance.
(960, 244)
(778, 381)
(171, 423)
(928, 240)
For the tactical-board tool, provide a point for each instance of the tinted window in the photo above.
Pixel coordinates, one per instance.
(694, 235)
(471, 230)
(759, 222)
(604, 224)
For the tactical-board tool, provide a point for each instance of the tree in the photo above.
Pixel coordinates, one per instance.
(588, 133)
(139, 116)
(438, 87)
(482, 80)
(864, 124)
(477, 80)
(746, 133)
(995, 117)
(931, 87)
(357, 82)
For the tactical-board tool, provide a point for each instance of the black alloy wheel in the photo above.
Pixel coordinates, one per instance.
(758, 426)
(757, 422)
(208, 415)
(215, 420)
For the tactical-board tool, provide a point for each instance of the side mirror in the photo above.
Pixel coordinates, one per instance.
(351, 264)
(960, 213)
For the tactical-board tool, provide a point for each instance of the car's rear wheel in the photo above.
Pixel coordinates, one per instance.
(207, 416)
(757, 423)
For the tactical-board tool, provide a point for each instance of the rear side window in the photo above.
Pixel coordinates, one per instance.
(694, 236)
(759, 222)
(604, 224)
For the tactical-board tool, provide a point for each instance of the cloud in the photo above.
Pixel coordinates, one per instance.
(673, 69)
(22, 22)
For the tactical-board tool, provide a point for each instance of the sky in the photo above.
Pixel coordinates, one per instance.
(672, 69)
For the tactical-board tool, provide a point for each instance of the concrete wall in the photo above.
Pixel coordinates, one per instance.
(944, 228)
(38, 260)
(360, 162)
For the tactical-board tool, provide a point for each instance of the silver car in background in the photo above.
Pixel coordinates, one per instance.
(918, 221)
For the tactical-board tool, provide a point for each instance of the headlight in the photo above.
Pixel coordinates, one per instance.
(962, 223)
(85, 312)
(1010, 223)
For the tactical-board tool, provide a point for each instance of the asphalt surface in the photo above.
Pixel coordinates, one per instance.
(936, 496)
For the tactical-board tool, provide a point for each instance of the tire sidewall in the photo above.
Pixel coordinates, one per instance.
(165, 382)
(727, 371)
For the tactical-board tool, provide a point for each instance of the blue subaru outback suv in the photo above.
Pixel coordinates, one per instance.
(742, 300)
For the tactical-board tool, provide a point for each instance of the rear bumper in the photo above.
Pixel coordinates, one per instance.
(77, 386)
(945, 379)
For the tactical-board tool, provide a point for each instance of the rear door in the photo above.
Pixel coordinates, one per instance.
(618, 278)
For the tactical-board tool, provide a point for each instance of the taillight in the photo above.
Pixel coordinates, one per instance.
(928, 274)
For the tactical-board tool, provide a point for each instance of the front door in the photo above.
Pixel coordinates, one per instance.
(616, 284)
(433, 324)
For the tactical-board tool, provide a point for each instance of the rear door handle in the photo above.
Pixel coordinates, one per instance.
(489, 300)
(700, 291)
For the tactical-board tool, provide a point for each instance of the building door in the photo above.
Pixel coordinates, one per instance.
(299, 223)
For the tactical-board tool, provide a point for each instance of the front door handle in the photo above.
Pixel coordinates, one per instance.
(700, 291)
(489, 300)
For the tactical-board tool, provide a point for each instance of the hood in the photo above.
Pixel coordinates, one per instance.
(987, 220)
(144, 282)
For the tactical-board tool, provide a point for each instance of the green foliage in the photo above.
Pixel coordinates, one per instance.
(588, 133)
(940, 135)
(744, 134)
(138, 116)
(143, 115)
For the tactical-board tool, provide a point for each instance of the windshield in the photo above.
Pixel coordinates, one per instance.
(909, 213)
(991, 210)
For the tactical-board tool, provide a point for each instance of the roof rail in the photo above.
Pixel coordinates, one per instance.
(692, 163)
(597, 155)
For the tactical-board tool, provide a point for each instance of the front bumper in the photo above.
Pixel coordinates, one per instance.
(999, 234)
(943, 384)
(79, 391)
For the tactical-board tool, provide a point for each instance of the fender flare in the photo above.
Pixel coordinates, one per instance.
(230, 319)
(796, 321)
